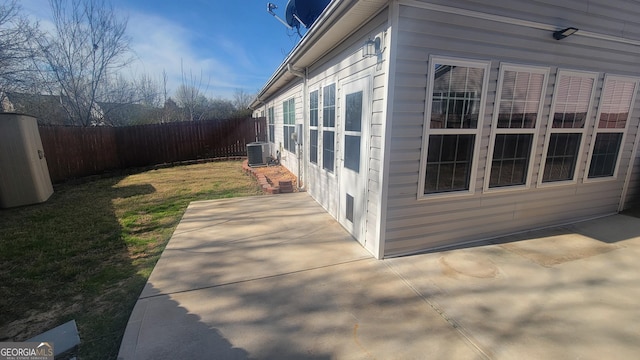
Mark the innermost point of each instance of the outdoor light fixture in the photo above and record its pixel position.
(372, 47)
(561, 34)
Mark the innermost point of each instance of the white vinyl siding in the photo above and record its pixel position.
(424, 32)
(343, 62)
(516, 120)
(337, 67)
(632, 197)
(517, 32)
(293, 96)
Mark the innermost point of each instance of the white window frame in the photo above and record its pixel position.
(271, 124)
(317, 128)
(328, 128)
(597, 130)
(583, 131)
(428, 131)
(286, 123)
(534, 131)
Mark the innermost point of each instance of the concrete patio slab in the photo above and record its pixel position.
(563, 293)
(232, 240)
(357, 310)
(276, 277)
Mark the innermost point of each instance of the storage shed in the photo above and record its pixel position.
(24, 176)
(434, 123)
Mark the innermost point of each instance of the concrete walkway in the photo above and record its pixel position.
(275, 277)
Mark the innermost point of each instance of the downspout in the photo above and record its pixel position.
(303, 76)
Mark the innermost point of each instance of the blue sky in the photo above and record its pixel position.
(234, 44)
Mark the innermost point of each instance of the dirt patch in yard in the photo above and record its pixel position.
(275, 174)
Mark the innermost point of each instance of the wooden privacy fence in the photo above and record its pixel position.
(77, 151)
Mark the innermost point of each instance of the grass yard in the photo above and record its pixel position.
(87, 252)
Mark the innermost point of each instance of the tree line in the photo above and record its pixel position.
(75, 71)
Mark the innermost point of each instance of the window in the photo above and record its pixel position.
(519, 103)
(562, 155)
(572, 100)
(289, 123)
(272, 126)
(313, 126)
(353, 130)
(328, 127)
(452, 124)
(449, 163)
(450, 108)
(511, 154)
(605, 154)
(618, 95)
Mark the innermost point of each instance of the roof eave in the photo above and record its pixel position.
(335, 11)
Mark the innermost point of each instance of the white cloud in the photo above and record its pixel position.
(160, 44)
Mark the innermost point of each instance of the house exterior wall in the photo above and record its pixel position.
(414, 222)
(277, 143)
(344, 64)
(632, 197)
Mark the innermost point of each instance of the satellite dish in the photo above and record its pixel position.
(304, 12)
(289, 14)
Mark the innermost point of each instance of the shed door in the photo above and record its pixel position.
(355, 116)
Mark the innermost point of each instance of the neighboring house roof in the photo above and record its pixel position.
(46, 108)
(339, 19)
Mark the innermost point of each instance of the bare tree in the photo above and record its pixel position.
(148, 91)
(117, 89)
(88, 46)
(241, 99)
(220, 109)
(167, 103)
(190, 96)
(170, 111)
(165, 90)
(192, 102)
(16, 54)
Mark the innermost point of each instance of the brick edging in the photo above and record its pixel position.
(263, 181)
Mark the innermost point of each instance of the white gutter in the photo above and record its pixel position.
(333, 10)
